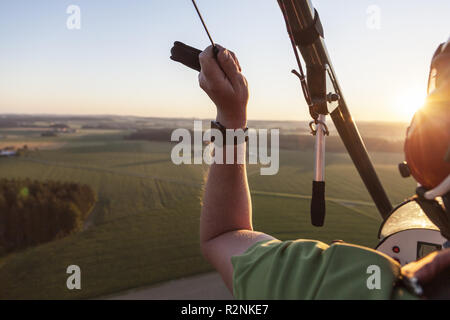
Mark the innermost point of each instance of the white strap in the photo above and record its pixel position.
(440, 190)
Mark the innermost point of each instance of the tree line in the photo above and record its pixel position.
(287, 141)
(34, 212)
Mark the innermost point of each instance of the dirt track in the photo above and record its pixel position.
(207, 286)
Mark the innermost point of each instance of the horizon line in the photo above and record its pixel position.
(175, 118)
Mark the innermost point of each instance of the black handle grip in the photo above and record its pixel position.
(186, 55)
(318, 204)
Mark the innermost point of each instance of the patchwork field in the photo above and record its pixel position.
(144, 228)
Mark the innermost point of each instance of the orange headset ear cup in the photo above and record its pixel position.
(427, 142)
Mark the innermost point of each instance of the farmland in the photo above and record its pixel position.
(144, 228)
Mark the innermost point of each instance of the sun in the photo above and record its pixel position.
(408, 102)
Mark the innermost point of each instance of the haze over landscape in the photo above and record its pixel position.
(118, 62)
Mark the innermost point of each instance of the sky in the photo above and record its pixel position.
(118, 61)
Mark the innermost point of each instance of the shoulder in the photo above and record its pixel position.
(309, 269)
(307, 249)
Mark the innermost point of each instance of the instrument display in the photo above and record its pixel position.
(425, 248)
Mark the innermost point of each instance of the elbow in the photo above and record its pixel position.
(205, 249)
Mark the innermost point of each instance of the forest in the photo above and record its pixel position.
(34, 212)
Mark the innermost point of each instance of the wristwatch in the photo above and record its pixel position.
(217, 125)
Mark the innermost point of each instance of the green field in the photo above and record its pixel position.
(144, 228)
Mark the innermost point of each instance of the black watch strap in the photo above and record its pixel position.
(217, 125)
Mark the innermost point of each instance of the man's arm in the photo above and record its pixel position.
(226, 220)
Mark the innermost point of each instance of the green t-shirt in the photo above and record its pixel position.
(307, 269)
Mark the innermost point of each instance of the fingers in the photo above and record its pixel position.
(439, 263)
(224, 66)
(429, 267)
(210, 70)
(230, 65)
(233, 55)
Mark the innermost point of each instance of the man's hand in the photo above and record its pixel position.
(426, 269)
(224, 83)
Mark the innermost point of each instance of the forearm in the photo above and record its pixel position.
(226, 202)
(226, 217)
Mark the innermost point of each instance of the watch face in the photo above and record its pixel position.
(217, 125)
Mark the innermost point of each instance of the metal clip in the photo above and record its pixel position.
(314, 129)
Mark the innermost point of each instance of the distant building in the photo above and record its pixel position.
(49, 134)
(8, 152)
(59, 126)
(62, 128)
